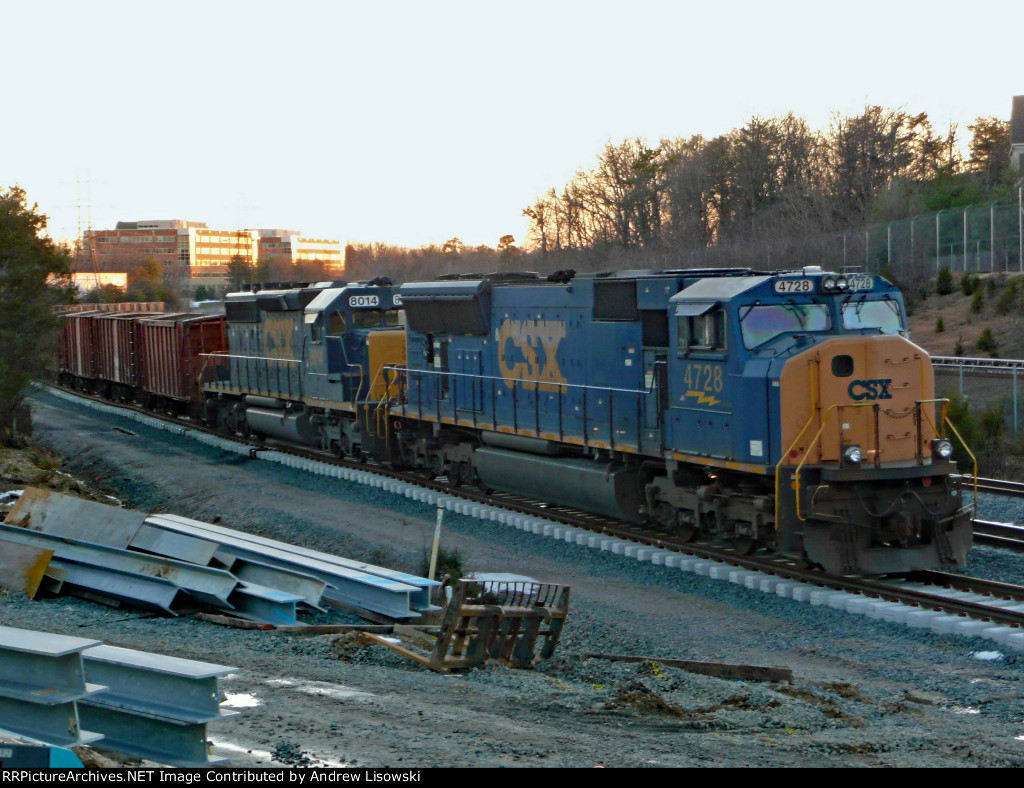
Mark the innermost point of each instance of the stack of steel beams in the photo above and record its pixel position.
(173, 564)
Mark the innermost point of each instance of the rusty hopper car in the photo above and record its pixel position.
(78, 364)
(171, 348)
(119, 353)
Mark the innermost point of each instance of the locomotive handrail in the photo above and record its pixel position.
(251, 358)
(814, 441)
(538, 383)
(946, 420)
(263, 364)
(539, 387)
(821, 429)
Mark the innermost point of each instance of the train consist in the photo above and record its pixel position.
(786, 410)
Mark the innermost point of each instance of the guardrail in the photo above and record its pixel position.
(1003, 365)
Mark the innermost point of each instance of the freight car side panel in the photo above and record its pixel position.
(118, 352)
(172, 346)
(80, 344)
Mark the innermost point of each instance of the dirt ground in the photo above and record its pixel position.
(864, 692)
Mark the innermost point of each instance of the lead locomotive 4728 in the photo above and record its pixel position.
(786, 410)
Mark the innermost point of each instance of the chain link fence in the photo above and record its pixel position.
(976, 239)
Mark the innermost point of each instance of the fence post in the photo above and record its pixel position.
(888, 246)
(965, 240)
(992, 238)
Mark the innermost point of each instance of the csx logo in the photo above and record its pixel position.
(277, 337)
(870, 389)
(525, 336)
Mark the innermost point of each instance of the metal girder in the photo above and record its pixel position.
(62, 515)
(181, 547)
(349, 586)
(155, 706)
(43, 668)
(420, 599)
(151, 593)
(164, 741)
(22, 567)
(123, 573)
(56, 723)
(266, 605)
(155, 684)
(310, 588)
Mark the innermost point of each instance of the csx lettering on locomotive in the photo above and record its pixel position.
(524, 335)
(870, 389)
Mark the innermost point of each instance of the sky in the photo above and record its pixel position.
(411, 123)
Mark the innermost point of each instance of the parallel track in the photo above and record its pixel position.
(892, 589)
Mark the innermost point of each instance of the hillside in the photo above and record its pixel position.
(1000, 309)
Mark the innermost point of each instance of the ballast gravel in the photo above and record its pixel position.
(865, 692)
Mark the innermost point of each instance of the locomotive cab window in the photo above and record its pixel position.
(366, 318)
(335, 324)
(885, 315)
(394, 317)
(700, 328)
(763, 322)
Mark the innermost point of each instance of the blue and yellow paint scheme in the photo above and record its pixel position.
(786, 409)
(715, 400)
(302, 362)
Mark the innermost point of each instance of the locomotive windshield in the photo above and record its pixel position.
(372, 318)
(764, 322)
(883, 315)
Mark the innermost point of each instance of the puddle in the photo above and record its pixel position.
(965, 710)
(322, 688)
(227, 748)
(987, 656)
(240, 700)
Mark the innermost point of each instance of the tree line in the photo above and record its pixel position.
(773, 182)
(772, 189)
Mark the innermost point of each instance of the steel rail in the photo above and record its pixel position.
(1000, 487)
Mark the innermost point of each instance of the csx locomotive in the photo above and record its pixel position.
(785, 409)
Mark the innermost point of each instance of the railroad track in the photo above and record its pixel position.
(999, 486)
(1006, 535)
(954, 594)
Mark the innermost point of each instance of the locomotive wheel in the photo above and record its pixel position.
(746, 545)
(455, 474)
(688, 532)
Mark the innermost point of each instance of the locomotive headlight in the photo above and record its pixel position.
(828, 284)
(841, 284)
(853, 454)
(942, 448)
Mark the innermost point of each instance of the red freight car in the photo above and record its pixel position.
(118, 353)
(78, 366)
(171, 346)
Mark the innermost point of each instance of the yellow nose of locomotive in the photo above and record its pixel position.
(861, 393)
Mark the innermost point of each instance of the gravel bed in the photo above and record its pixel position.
(864, 692)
